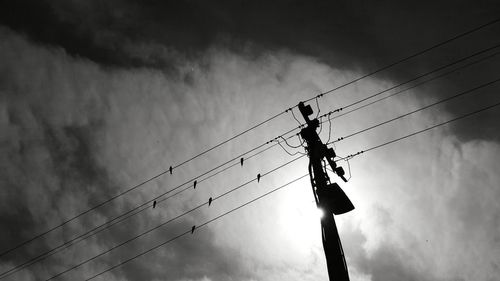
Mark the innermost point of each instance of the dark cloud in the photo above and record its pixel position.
(359, 35)
(43, 176)
(60, 114)
(56, 125)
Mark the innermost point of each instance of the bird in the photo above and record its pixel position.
(258, 177)
(192, 229)
(194, 184)
(209, 201)
(170, 169)
(154, 204)
(241, 161)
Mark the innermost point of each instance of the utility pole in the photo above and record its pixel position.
(329, 196)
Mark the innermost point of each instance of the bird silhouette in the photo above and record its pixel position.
(192, 229)
(170, 169)
(194, 184)
(209, 201)
(154, 204)
(241, 161)
(258, 177)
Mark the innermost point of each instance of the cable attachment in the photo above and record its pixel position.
(317, 104)
(330, 156)
(350, 156)
(293, 114)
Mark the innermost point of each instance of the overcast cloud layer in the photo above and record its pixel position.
(98, 96)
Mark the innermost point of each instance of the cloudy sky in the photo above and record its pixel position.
(98, 96)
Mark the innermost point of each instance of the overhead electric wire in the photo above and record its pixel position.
(122, 217)
(293, 114)
(329, 118)
(69, 243)
(253, 200)
(329, 129)
(151, 200)
(289, 153)
(229, 139)
(423, 130)
(463, 34)
(419, 109)
(286, 142)
(416, 85)
(423, 75)
(197, 227)
(408, 88)
(446, 99)
(340, 109)
(172, 219)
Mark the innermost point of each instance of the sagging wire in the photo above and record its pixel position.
(349, 157)
(317, 104)
(320, 127)
(346, 159)
(293, 114)
(348, 167)
(301, 141)
(291, 146)
(291, 154)
(329, 129)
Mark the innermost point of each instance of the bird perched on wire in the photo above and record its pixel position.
(209, 201)
(170, 169)
(194, 184)
(241, 161)
(192, 229)
(258, 177)
(154, 204)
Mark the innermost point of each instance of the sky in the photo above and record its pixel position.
(99, 96)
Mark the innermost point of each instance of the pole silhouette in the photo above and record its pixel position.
(328, 196)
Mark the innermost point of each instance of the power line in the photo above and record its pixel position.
(246, 131)
(419, 109)
(359, 101)
(413, 79)
(170, 220)
(138, 185)
(418, 84)
(136, 210)
(200, 226)
(253, 200)
(328, 114)
(408, 57)
(124, 216)
(423, 75)
(230, 139)
(344, 158)
(421, 131)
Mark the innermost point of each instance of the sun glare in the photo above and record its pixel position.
(320, 213)
(300, 219)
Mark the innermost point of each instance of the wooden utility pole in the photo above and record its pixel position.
(329, 196)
